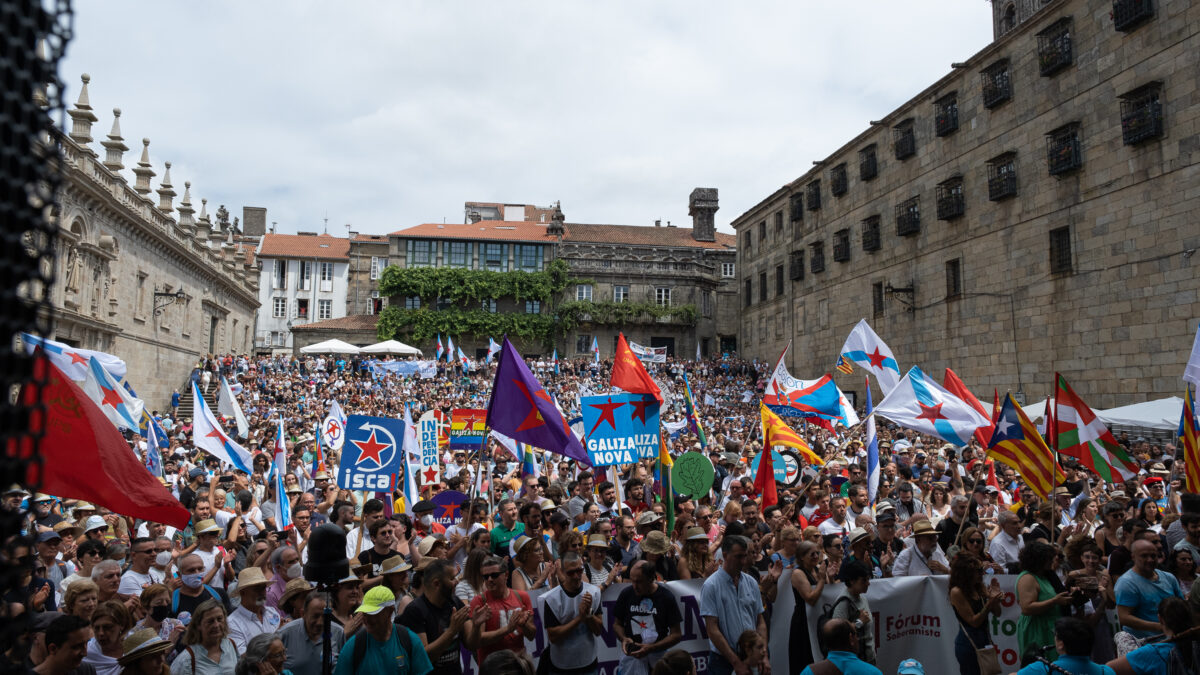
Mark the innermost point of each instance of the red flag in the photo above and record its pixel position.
(1051, 425)
(955, 386)
(995, 406)
(85, 457)
(991, 477)
(629, 374)
(764, 481)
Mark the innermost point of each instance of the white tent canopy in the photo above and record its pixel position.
(1161, 414)
(330, 347)
(390, 347)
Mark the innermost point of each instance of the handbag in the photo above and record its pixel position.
(988, 657)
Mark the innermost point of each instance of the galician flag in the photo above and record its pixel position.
(284, 521)
(864, 349)
(440, 350)
(449, 349)
(153, 455)
(596, 348)
(117, 404)
(71, 361)
(554, 360)
(462, 358)
(919, 403)
(493, 349)
(208, 435)
(228, 406)
(872, 451)
(1083, 436)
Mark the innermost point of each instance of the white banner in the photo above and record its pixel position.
(648, 354)
(427, 435)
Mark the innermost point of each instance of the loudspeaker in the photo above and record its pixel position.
(327, 563)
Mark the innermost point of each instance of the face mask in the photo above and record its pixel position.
(295, 571)
(427, 520)
(163, 559)
(193, 580)
(159, 612)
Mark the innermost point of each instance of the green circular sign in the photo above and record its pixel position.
(692, 474)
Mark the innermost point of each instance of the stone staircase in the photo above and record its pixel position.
(185, 397)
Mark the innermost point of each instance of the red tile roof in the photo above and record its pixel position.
(638, 235)
(498, 230)
(346, 323)
(371, 238)
(321, 246)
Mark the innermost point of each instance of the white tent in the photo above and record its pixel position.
(330, 347)
(1034, 411)
(390, 347)
(1161, 414)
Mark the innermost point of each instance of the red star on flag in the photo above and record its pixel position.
(931, 413)
(370, 449)
(430, 475)
(606, 414)
(639, 409)
(534, 418)
(111, 397)
(76, 358)
(876, 358)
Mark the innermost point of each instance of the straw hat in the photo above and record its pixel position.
(67, 528)
(923, 527)
(203, 527)
(696, 533)
(597, 541)
(142, 644)
(394, 565)
(656, 542)
(294, 587)
(647, 518)
(520, 544)
(249, 578)
(858, 534)
(427, 544)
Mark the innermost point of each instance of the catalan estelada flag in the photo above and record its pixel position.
(693, 419)
(1017, 443)
(844, 366)
(776, 432)
(1189, 440)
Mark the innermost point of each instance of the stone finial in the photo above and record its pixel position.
(142, 171)
(557, 221)
(115, 145)
(185, 207)
(166, 193)
(203, 224)
(82, 116)
(702, 206)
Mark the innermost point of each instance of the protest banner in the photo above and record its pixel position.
(648, 354)
(371, 455)
(448, 503)
(621, 428)
(427, 438)
(405, 368)
(468, 428)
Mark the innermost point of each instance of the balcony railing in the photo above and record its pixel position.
(868, 167)
(1141, 116)
(1054, 47)
(905, 143)
(997, 85)
(1062, 151)
(1002, 186)
(1129, 14)
(945, 121)
(870, 234)
(908, 218)
(837, 180)
(950, 206)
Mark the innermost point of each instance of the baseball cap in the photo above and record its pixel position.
(910, 667)
(49, 536)
(376, 600)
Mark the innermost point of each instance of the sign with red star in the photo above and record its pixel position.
(622, 428)
(371, 454)
(447, 505)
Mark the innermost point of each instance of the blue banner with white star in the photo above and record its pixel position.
(620, 428)
(372, 453)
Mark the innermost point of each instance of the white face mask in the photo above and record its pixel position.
(426, 520)
(163, 559)
(295, 571)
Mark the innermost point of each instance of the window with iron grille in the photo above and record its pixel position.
(841, 245)
(813, 195)
(908, 217)
(1054, 47)
(1002, 176)
(796, 207)
(1129, 14)
(748, 295)
(877, 298)
(583, 344)
(945, 114)
(1063, 153)
(868, 167)
(837, 180)
(953, 278)
(818, 257)
(997, 84)
(1060, 250)
(778, 280)
(762, 286)
(950, 201)
(870, 234)
(904, 139)
(1141, 114)
(796, 265)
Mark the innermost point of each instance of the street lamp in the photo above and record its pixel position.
(168, 298)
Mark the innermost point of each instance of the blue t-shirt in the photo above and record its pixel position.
(1143, 595)
(849, 664)
(386, 658)
(1150, 659)
(1079, 665)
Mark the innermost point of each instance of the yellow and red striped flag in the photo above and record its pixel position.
(1017, 443)
(776, 432)
(1189, 440)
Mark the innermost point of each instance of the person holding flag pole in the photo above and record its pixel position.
(279, 468)
(872, 450)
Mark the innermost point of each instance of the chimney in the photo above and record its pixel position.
(658, 223)
(702, 207)
(474, 216)
(254, 221)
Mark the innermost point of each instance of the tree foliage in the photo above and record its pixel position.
(464, 286)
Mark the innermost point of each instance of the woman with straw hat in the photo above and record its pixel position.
(395, 572)
(599, 568)
(697, 560)
(531, 570)
(291, 603)
(145, 653)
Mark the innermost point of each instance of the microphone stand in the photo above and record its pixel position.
(327, 631)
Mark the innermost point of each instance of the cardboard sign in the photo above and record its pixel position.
(427, 439)
(333, 434)
(448, 503)
(372, 453)
(620, 428)
(692, 474)
(468, 428)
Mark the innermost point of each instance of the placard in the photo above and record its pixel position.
(620, 428)
(692, 474)
(648, 354)
(427, 439)
(371, 454)
(448, 503)
(468, 428)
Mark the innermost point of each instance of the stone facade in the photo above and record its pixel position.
(1089, 271)
(122, 259)
(368, 258)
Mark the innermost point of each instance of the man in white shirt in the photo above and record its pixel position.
(140, 573)
(837, 523)
(1006, 546)
(252, 617)
(922, 557)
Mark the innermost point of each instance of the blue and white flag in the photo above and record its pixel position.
(228, 406)
(207, 435)
(596, 348)
(493, 349)
(411, 447)
(153, 456)
(462, 358)
(449, 349)
(872, 451)
(921, 404)
(440, 349)
(864, 349)
(117, 404)
(71, 361)
(333, 429)
(284, 519)
(554, 360)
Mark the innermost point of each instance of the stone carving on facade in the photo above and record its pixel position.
(222, 217)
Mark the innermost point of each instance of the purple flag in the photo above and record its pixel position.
(523, 411)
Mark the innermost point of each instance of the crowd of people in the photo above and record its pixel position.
(107, 593)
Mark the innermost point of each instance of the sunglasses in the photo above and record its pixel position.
(493, 575)
(578, 571)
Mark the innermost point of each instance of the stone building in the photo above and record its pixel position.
(303, 279)
(149, 282)
(368, 258)
(1032, 211)
(689, 271)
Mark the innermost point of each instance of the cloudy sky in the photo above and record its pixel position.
(389, 114)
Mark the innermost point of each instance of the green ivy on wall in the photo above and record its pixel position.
(469, 286)
(423, 324)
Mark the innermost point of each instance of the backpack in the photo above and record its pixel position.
(826, 615)
(1178, 665)
(360, 648)
(175, 597)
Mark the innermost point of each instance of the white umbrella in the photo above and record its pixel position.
(330, 347)
(390, 347)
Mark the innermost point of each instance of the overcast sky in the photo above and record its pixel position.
(389, 114)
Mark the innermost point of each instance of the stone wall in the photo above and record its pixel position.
(1118, 324)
